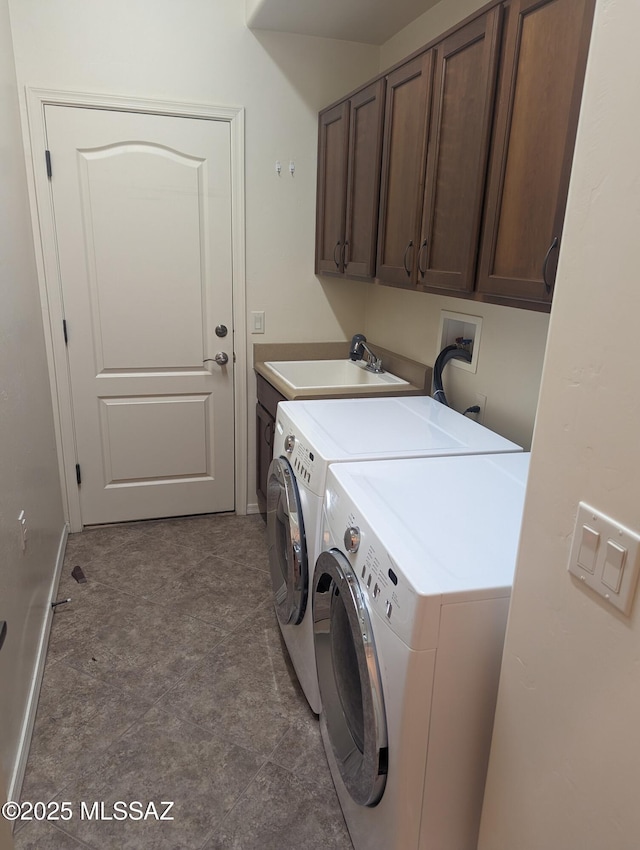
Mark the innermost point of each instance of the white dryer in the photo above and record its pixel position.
(311, 435)
(410, 601)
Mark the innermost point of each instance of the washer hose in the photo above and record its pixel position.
(451, 352)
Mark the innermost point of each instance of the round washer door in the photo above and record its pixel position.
(349, 678)
(286, 542)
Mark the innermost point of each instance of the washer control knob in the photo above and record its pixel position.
(289, 443)
(352, 538)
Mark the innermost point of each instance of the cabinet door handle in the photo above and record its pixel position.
(268, 434)
(345, 261)
(404, 259)
(545, 263)
(336, 250)
(420, 269)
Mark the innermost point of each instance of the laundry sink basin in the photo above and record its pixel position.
(324, 374)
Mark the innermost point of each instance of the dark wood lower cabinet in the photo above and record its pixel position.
(266, 409)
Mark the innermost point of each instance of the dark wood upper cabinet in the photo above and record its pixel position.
(542, 72)
(477, 146)
(349, 152)
(333, 141)
(459, 136)
(403, 169)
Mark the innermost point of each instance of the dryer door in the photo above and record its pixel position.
(349, 678)
(286, 541)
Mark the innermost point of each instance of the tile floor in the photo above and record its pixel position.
(166, 680)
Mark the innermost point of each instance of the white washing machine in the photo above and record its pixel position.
(311, 435)
(410, 601)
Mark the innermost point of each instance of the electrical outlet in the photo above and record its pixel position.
(481, 401)
(22, 522)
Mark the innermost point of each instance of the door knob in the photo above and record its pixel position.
(221, 358)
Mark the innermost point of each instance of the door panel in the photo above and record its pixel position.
(142, 207)
(546, 43)
(464, 84)
(403, 169)
(363, 185)
(333, 149)
(179, 425)
(141, 319)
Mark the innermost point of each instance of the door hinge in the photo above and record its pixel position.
(78, 475)
(64, 331)
(47, 156)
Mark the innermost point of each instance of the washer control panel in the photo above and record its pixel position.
(308, 467)
(304, 464)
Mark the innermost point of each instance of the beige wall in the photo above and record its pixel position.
(199, 50)
(565, 763)
(513, 341)
(510, 355)
(436, 20)
(28, 466)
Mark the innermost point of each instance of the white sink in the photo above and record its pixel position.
(322, 374)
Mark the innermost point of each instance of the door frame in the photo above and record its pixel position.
(43, 223)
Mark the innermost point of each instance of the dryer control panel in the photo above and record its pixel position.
(413, 618)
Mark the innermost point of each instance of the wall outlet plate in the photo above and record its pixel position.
(455, 325)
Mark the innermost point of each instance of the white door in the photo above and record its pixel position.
(142, 208)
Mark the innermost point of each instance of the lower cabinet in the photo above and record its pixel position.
(266, 408)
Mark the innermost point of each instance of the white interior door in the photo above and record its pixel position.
(142, 209)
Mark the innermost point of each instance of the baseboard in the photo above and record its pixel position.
(17, 777)
(253, 509)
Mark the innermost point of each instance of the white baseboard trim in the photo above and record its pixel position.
(253, 508)
(17, 777)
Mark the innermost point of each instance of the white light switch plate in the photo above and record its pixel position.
(257, 322)
(604, 556)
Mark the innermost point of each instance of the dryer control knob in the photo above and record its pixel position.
(289, 443)
(352, 538)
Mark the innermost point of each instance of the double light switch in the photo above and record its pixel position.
(604, 556)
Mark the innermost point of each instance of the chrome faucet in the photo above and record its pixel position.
(359, 348)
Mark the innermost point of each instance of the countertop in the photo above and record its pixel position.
(418, 374)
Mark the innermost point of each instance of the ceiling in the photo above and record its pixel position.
(367, 21)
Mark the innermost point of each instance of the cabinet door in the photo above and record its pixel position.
(544, 58)
(363, 182)
(463, 92)
(264, 451)
(333, 138)
(403, 170)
